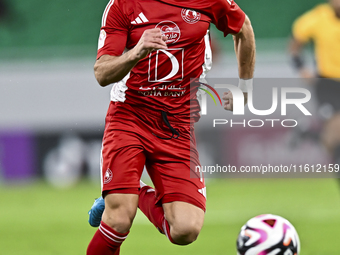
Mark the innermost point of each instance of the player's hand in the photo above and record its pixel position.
(307, 75)
(228, 98)
(152, 39)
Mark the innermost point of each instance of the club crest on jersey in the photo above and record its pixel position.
(108, 176)
(190, 16)
(169, 29)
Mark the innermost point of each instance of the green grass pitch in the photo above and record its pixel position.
(37, 219)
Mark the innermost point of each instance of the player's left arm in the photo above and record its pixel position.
(244, 43)
(295, 49)
(303, 31)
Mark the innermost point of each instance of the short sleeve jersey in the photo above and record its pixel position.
(162, 79)
(321, 26)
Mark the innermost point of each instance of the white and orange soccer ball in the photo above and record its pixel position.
(268, 234)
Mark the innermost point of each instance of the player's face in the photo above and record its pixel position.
(336, 5)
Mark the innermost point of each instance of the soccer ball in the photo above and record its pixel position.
(268, 235)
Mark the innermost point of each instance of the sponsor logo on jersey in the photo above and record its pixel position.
(169, 29)
(108, 176)
(140, 19)
(166, 65)
(203, 192)
(102, 37)
(190, 16)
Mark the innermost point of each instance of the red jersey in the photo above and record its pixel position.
(161, 80)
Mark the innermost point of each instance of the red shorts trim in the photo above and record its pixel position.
(121, 191)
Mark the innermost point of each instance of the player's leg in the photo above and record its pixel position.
(331, 140)
(180, 221)
(120, 204)
(120, 210)
(331, 135)
(177, 204)
(121, 200)
(327, 91)
(123, 161)
(181, 191)
(185, 220)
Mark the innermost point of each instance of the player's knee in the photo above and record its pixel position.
(184, 234)
(120, 223)
(185, 221)
(120, 210)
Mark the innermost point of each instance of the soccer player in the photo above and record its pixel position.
(322, 26)
(149, 50)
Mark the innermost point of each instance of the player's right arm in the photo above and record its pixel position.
(109, 69)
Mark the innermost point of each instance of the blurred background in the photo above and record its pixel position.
(51, 122)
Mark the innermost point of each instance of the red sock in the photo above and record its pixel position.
(106, 241)
(155, 213)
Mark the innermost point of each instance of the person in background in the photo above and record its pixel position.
(321, 25)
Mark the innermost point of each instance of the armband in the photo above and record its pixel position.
(245, 85)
